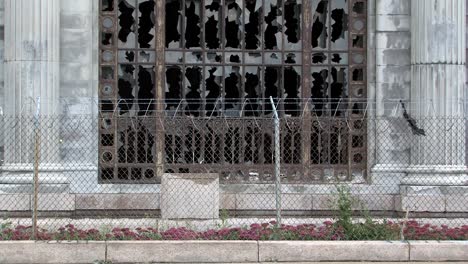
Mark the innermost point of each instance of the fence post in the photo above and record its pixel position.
(36, 167)
(277, 163)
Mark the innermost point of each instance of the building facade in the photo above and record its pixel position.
(369, 62)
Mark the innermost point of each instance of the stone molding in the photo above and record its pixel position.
(229, 251)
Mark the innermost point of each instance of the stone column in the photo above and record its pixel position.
(32, 51)
(438, 59)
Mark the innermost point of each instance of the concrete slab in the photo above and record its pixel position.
(180, 251)
(26, 252)
(439, 250)
(15, 202)
(296, 251)
(190, 196)
(136, 201)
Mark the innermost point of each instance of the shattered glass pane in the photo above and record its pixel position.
(192, 24)
(146, 56)
(319, 90)
(319, 39)
(107, 5)
(253, 58)
(338, 90)
(253, 91)
(107, 39)
(174, 57)
(292, 23)
(173, 91)
(319, 58)
(214, 57)
(273, 58)
(193, 57)
(146, 81)
(233, 90)
(339, 25)
(127, 56)
(253, 12)
(126, 87)
(127, 23)
(213, 88)
(292, 91)
(358, 41)
(293, 58)
(273, 23)
(173, 23)
(193, 90)
(233, 57)
(359, 7)
(273, 84)
(146, 20)
(339, 58)
(212, 20)
(107, 72)
(233, 24)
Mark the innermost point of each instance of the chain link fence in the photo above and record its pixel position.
(165, 170)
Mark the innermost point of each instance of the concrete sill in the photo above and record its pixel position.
(230, 251)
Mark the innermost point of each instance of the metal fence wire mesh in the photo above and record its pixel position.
(170, 170)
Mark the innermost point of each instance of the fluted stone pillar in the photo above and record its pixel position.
(32, 51)
(438, 61)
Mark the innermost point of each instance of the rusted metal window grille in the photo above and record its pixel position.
(218, 62)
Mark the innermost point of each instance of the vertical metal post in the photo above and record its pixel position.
(36, 167)
(277, 163)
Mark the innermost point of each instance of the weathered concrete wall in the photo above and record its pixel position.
(78, 52)
(393, 39)
(2, 48)
(393, 83)
(78, 90)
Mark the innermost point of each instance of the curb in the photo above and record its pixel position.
(77, 252)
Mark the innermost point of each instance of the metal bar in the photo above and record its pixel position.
(36, 167)
(277, 163)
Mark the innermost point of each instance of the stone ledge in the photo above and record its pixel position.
(54, 252)
(318, 251)
(137, 201)
(182, 251)
(439, 251)
(25, 252)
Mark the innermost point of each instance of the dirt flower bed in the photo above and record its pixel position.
(411, 230)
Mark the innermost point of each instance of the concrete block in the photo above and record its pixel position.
(308, 251)
(227, 201)
(55, 202)
(190, 196)
(393, 22)
(26, 252)
(392, 74)
(323, 202)
(15, 202)
(180, 251)
(77, 6)
(75, 21)
(136, 201)
(267, 201)
(372, 202)
(394, 40)
(456, 203)
(439, 250)
(394, 7)
(377, 202)
(393, 57)
(423, 203)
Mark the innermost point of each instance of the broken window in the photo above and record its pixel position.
(337, 34)
(232, 34)
(128, 96)
(225, 58)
